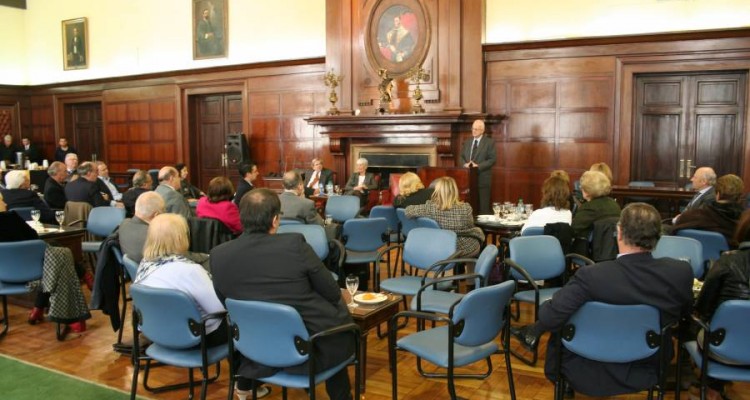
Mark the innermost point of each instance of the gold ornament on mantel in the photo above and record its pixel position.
(416, 75)
(384, 87)
(332, 80)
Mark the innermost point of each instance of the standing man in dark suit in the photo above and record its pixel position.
(316, 176)
(63, 149)
(248, 172)
(261, 265)
(635, 277)
(479, 152)
(31, 151)
(54, 189)
(85, 188)
(293, 204)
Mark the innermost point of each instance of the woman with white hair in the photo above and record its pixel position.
(17, 194)
(361, 181)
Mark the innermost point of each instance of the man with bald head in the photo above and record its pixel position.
(54, 191)
(703, 180)
(479, 152)
(294, 205)
(169, 189)
(133, 230)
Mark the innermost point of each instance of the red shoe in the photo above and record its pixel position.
(36, 315)
(88, 279)
(78, 327)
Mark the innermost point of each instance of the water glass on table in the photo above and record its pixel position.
(35, 215)
(60, 217)
(497, 208)
(352, 283)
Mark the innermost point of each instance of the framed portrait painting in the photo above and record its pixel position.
(75, 43)
(397, 36)
(209, 29)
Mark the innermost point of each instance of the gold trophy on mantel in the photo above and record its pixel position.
(332, 80)
(416, 75)
(384, 87)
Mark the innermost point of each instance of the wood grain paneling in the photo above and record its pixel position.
(531, 126)
(596, 92)
(586, 125)
(532, 95)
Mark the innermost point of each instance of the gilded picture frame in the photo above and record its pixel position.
(210, 27)
(75, 43)
(397, 36)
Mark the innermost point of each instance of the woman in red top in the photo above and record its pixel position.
(218, 204)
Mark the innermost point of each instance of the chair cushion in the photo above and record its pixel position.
(286, 379)
(190, 358)
(718, 370)
(12, 288)
(360, 257)
(527, 296)
(436, 301)
(406, 285)
(91, 247)
(432, 345)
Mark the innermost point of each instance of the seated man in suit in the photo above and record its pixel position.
(261, 265)
(18, 194)
(703, 180)
(169, 187)
(142, 183)
(635, 277)
(105, 184)
(316, 176)
(85, 189)
(248, 172)
(54, 191)
(293, 204)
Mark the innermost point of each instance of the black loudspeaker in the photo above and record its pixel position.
(238, 151)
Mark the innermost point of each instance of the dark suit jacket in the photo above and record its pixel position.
(103, 188)
(27, 198)
(54, 194)
(326, 177)
(32, 154)
(354, 181)
(9, 153)
(299, 208)
(631, 279)
(419, 197)
(60, 153)
(242, 188)
(129, 198)
(83, 190)
(700, 199)
(485, 157)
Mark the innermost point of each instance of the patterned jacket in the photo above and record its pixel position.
(458, 219)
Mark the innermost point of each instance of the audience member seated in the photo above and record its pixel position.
(85, 189)
(603, 168)
(595, 187)
(218, 204)
(54, 191)
(293, 203)
(106, 186)
(555, 204)
(720, 215)
(71, 166)
(169, 189)
(30, 151)
(191, 193)
(411, 191)
(451, 214)
(576, 198)
(315, 177)
(17, 194)
(142, 183)
(261, 265)
(59, 290)
(728, 279)
(636, 277)
(63, 150)
(248, 173)
(361, 182)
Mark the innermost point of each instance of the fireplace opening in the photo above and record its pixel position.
(388, 159)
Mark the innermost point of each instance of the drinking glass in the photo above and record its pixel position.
(35, 215)
(496, 207)
(529, 208)
(60, 216)
(329, 219)
(352, 283)
(329, 189)
(337, 189)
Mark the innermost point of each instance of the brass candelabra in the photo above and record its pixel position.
(417, 75)
(332, 80)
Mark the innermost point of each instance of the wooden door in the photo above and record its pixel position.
(216, 116)
(687, 121)
(86, 135)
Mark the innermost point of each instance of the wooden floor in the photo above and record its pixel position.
(90, 357)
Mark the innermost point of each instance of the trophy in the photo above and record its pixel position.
(332, 80)
(418, 74)
(384, 87)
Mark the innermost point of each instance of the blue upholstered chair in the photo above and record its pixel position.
(170, 318)
(274, 335)
(394, 231)
(362, 238)
(714, 243)
(23, 212)
(684, 248)
(615, 334)
(290, 221)
(342, 208)
(102, 221)
(316, 237)
(468, 336)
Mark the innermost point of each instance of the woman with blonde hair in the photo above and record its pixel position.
(595, 187)
(411, 191)
(555, 205)
(603, 168)
(452, 214)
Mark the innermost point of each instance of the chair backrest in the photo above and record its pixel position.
(426, 246)
(267, 333)
(314, 235)
(290, 221)
(131, 267)
(483, 313)
(387, 212)
(166, 316)
(613, 333)
(21, 262)
(424, 222)
(731, 317)
(23, 212)
(684, 248)
(342, 208)
(207, 233)
(713, 242)
(485, 262)
(541, 256)
(76, 214)
(604, 239)
(365, 234)
(103, 220)
(406, 224)
(533, 231)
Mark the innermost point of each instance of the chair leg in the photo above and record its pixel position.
(511, 383)
(124, 308)
(392, 360)
(5, 317)
(134, 383)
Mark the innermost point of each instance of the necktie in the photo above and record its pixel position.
(473, 153)
(314, 182)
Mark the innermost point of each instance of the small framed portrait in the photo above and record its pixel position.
(75, 43)
(398, 35)
(209, 29)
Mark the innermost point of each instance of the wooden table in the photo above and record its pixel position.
(499, 230)
(672, 194)
(368, 317)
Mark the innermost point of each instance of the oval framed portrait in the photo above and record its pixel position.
(397, 36)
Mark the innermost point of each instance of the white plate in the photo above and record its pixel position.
(379, 298)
